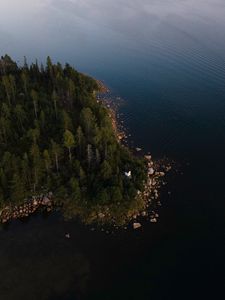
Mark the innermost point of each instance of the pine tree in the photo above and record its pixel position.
(80, 139)
(75, 189)
(89, 155)
(24, 78)
(69, 142)
(25, 170)
(34, 97)
(55, 100)
(67, 122)
(87, 121)
(7, 85)
(36, 165)
(56, 151)
(47, 160)
(20, 115)
(105, 170)
(18, 188)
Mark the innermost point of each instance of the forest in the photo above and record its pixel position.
(56, 137)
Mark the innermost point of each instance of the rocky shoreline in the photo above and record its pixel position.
(13, 212)
(103, 96)
(150, 195)
(148, 199)
(156, 171)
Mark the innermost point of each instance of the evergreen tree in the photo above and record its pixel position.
(69, 142)
(34, 97)
(47, 160)
(18, 188)
(56, 151)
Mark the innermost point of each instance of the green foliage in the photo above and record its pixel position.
(55, 136)
(69, 142)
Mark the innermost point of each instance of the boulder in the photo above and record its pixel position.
(136, 225)
(153, 220)
(46, 201)
(151, 171)
(67, 235)
(148, 157)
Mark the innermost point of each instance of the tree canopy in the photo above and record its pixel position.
(55, 136)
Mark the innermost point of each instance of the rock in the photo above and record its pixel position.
(67, 235)
(153, 220)
(101, 215)
(136, 225)
(138, 149)
(148, 157)
(149, 182)
(151, 171)
(153, 182)
(161, 174)
(144, 214)
(50, 194)
(46, 201)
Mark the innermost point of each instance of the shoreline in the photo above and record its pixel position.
(144, 202)
(156, 171)
(26, 209)
(102, 96)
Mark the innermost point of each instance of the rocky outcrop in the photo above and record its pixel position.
(31, 205)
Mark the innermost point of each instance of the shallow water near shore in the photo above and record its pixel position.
(166, 60)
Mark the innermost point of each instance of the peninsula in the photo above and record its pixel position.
(59, 148)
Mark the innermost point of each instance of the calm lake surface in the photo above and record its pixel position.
(166, 59)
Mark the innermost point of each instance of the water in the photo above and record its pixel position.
(166, 59)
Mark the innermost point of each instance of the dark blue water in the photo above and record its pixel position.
(166, 59)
